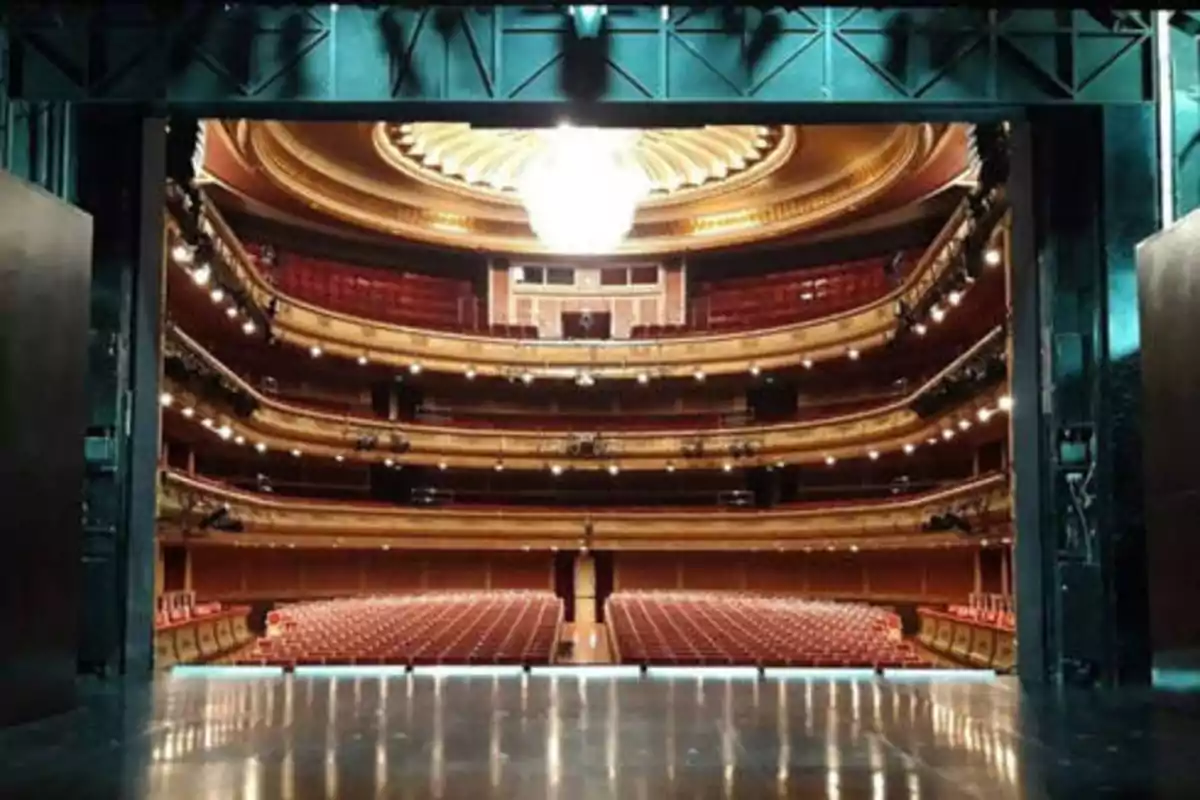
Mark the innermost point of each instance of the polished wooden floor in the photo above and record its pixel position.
(371, 735)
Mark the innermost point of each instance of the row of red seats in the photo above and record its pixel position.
(174, 607)
(706, 629)
(452, 628)
(1006, 619)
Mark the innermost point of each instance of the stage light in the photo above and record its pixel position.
(727, 467)
(853, 548)
(527, 378)
(984, 414)
(362, 361)
(921, 329)
(937, 313)
(261, 447)
(955, 297)
(239, 440)
(873, 455)
(206, 422)
(339, 458)
(315, 351)
(470, 373)
(947, 434)
(780, 464)
(248, 327)
(830, 461)
(295, 453)
(165, 399)
(755, 370)
(182, 253)
(670, 467)
(964, 424)
(556, 469)
(499, 466)
(387, 462)
(1005, 403)
(442, 465)
(225, 432)
(414, 368)
(643, 378)
(201, 274)
(992, 257)
(231, 312)
(217, 294)
(909, 449)
(853, 353)
(808, 363)
(613, 469)
(585, 380)
(931, 440)
(699, 375)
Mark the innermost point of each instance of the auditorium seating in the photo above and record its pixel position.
(707, 629)
(517, 627)
(402, 298)
(782, 298)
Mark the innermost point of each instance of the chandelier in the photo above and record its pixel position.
(581, 189)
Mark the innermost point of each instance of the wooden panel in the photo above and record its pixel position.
(216, 571)
(712, 571)
(520, 571)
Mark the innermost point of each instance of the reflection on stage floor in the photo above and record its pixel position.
(583, 735)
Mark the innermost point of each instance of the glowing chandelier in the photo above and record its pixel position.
(582, 187)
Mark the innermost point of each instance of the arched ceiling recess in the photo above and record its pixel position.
(454, 185)
(314, 523)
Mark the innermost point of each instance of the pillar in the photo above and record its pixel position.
(121, 178)
(1084, 194)
(1004, 556)
(978, 570)
(585, 590)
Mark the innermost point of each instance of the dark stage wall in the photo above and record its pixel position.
(45, 273)
(1169, 289)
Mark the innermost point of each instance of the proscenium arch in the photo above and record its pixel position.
(1079, 87)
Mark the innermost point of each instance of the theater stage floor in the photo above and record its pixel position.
(655, 738)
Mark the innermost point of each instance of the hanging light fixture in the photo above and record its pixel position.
(582, 188)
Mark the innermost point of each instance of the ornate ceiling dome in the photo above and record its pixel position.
(456, 185)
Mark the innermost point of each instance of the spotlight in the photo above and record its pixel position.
(315, 351)
(217, 294)
(808, 363)
(853, 548)
(339, 458)
(248, 327)
(470, 373)
(261, 447)
(780, 464)
(755, 370)
(955, 297)
(853, 353)
(442, 466)
(921, 329)
(873, 455)
(182, 253)
(964, 424)
(643, 378)
(556, 469)
(165, 399)
(909, 449)
(992, 257)
(585, 380)
(239, 440)
(984, 414)
(931, 440)
(206, 422)
(387, 462)
(727, 467)
(670, 467)
(414, 368)
(295, 453)
(830, 461)
(231, 312)
(201, 274)
(947, 434)
(527, 378)
(1005, 403)
(937, 313)
(499, 466)
(613, 469)
(699, 375)
(362, 361)
(225, 432)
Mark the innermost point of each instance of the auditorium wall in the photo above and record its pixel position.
(937, 575)
(262, 573)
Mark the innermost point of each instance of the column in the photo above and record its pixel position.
(585, 592)
(978, 570)
(1004, 556)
